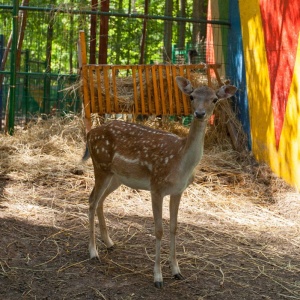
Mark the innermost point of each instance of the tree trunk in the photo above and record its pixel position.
(143, 40)
(22, 20)
(93, 33)
(103, 40)
(199, 12)
(4, 59)
(119, 34)
(47, 80)
(181, 25)
(167, 55)
(22, 17)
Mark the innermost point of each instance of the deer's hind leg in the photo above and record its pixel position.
(102, 182)
(113, 185)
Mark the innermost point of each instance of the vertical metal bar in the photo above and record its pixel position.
(13, 77)
(1, 99)
(26, 84)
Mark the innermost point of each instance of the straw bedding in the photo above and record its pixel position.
(238, 233)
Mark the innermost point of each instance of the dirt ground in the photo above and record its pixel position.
(238, 233)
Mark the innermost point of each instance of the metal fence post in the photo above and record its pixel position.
(1, 99)
(12, 98)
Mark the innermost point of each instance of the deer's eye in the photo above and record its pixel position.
(191, 98)
(215, 100)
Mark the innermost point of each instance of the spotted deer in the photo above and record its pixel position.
(149, 159)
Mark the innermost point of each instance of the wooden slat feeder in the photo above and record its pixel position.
(137, 89)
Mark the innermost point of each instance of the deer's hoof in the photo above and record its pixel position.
(95, 258)
(158, 284)
(111, 248)
(178, 276)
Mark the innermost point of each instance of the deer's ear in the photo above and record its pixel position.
(226, 91)
(184, 85)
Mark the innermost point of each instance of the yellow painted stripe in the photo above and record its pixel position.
(289, 147)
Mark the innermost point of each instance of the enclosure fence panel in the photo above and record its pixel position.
(138, 89)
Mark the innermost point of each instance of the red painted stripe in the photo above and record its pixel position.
(210, 53)
(281, 25)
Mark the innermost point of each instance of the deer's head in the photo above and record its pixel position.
(204, 98)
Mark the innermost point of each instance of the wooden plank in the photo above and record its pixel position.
(217, 75)
(184, 96)
(107, 89)
(176, 90)
(115, 90)
(155, 89)
(84, 75)
(86, 96)
(135, 95)
(170, 89)
(149, 88)
(188, 73)
(162, 89)
(99, 89)
(92, 87)
(141, 82)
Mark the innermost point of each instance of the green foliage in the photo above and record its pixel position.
(125, 34)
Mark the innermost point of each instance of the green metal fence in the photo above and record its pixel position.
(41, 93)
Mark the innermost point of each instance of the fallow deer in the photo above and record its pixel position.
(149, 159)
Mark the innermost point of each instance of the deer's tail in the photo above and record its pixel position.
(86, 154)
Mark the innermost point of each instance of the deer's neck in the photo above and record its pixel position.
(193, 149)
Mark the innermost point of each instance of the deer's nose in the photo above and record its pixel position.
(200, 115)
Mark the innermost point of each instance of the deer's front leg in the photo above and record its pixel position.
(157, 201)
(174, 205)
(92, 208)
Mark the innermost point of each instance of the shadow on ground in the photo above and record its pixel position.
(40, 262)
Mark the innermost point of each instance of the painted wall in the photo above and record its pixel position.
(270, 34)
(264, 60)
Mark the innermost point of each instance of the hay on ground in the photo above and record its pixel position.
(238, 223)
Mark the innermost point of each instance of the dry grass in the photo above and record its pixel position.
(238, 234)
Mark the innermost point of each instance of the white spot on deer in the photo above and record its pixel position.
(126, 159)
